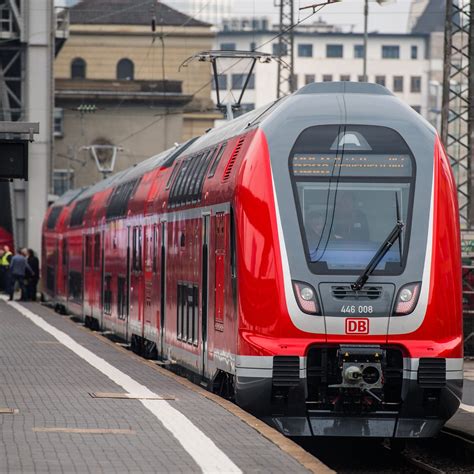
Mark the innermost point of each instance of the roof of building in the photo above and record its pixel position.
(129, 12)
(432, 19)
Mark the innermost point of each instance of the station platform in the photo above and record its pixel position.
(73, 401)
(463, 421)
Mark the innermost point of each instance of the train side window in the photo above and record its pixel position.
(134, 248)
(186, 194)
(79, 211)
(202, 172)
(178, 183)
(217, 159)
(187, 312)
(88, 256)
(64, 252)
(75, 286)
(176, 168)
(140, 249)
(108, 294)
(121, 297)
(53, 217)
(137, 255)
(117, 205)
(155, 249)
(195, 314)
(96, 250)
(233, 262)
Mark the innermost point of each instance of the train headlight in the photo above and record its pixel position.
(407, 298)
(306, 298)
(307, 293)
(406, 295)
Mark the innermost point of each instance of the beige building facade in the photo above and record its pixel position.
(120, 91)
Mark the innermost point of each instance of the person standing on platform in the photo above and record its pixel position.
(5, 260)
(18, 268)
(32, 280)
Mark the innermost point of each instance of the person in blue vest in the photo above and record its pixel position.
(5, 259)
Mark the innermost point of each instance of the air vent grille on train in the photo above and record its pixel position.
(346, 292)
(286, 371)
(432, 372)
(232, 160)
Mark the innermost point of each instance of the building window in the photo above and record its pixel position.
(58, 122)
(221, 82)
(334, 50)
(238, 81)
(228, 46)
(78, 69)
(380, 80)
(125, 70)
(360, 79)
(415, 84)
(414, 52)
(345, 77)
(63, 180)
(305, 50)
(277, 51)
(397, 83)
(416, 108)
(309, 78)
(358, 51)
(391, 52)
(327, 77)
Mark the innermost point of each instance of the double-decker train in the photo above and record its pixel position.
(303, 259)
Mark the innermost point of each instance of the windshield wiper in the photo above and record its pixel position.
(381, 252)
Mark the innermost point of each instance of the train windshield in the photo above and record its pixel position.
(351, 185)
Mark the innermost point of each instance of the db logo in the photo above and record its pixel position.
(357, 326)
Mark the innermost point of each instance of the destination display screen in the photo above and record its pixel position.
(353, 165)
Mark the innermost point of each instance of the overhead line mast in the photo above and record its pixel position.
(286, 39)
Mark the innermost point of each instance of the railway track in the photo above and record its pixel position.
(450, 452)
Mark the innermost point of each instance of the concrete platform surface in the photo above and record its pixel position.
(463, 420)
(50, 366)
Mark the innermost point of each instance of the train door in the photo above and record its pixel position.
(126, 313)
(148, 320)
(99, 260)
(164, 241)
(205, 290)
(220, 258)
(65, 265)
(85, 253)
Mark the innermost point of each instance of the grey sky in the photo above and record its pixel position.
(391, 17)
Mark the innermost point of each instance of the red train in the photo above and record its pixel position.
(6, 227)
(303, 259)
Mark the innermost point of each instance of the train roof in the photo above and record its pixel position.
(238, 126)
(69, 196)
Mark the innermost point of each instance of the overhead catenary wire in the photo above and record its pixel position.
(225, 70)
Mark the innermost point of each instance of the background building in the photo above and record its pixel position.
(398, 61)
(119, 90)
(28, 41)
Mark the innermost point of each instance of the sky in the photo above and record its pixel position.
(392, 17)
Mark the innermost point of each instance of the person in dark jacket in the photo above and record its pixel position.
(18, 269)
(32, 280)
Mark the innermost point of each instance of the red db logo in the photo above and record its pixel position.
(357, 326)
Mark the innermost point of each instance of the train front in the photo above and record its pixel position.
(366, 262)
